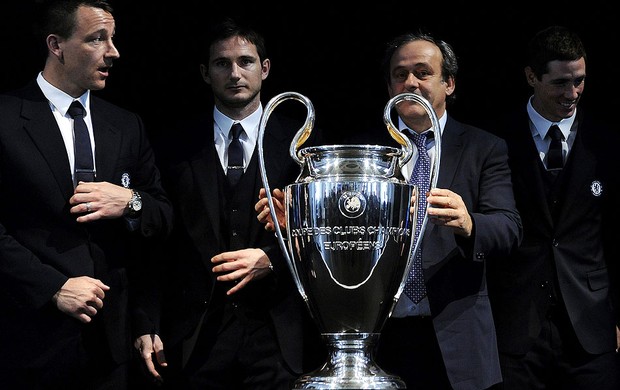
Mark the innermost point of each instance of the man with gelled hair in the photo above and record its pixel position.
(71, 250)
(555, 299)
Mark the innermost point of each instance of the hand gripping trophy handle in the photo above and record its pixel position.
(350, 223)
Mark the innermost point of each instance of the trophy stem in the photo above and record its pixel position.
(350, 365)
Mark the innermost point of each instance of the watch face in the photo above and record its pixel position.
(136, 202)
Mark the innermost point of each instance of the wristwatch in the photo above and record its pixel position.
(135, 204)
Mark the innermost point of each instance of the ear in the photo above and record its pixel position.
(54, 45)
(266, 66)
(530, 77)
(204, 72)
(450, 86)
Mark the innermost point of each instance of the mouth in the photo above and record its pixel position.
(235, 87)
(569, 106)
(104, 70)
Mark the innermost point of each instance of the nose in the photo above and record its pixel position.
(573, 91)
(113, 51)
(411, 81)
(234, 70)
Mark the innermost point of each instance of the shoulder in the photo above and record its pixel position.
(283, 128)
(113, 113)
(182, 139)
(475, 135)
(11, 100)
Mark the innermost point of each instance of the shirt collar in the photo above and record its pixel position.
(542, 125)
(250, 123)
(59, 99)
(442, 123)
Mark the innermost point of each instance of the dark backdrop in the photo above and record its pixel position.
(330, 54)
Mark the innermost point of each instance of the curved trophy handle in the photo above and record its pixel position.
(298, 140)
(408, 151)
(398, 136)
(405, 141)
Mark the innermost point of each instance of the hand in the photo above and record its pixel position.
(446, 208)
(81, 297)
(99, 200)
(241, 266)
(264, 213)
(149, 345)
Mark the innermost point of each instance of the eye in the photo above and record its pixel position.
(400, 75)
(422, 74)
(221, 63)
(579, 81)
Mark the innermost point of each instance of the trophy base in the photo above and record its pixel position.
(350, 365)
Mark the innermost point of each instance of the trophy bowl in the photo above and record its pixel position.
(349, 243)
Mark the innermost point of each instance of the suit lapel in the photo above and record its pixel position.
(451, 145)
(528, 169)
(579, 169)
(107, 143)
(206, 181)
(45, 133)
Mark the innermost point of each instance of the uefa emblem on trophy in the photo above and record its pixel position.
(349, 241)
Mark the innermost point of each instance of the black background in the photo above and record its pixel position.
(328, 52)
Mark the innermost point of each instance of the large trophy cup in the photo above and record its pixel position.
(349, 242)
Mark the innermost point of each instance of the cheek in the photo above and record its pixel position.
(395, 89)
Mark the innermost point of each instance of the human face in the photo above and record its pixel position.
(82, 61)
(235, 74)
(558, 91)
(415, 67)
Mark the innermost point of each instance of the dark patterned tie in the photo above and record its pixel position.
(415, 288)
(235, 155)
(84, 168)
(555, 160)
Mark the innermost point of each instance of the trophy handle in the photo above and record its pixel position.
(404, 141)
(298, 140)
(407, 153)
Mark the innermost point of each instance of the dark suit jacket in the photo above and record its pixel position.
(571, 254)
(191, 169)
(474, 165)
(41, 244)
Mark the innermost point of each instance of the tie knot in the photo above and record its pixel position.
(555, 133)
(236, 130)
(420, 139)
(76, 109)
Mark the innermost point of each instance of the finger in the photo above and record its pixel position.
(161, 358)
(150, 367)
(237, 286)
(83, 318)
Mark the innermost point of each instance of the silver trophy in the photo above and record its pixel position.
(349, 242)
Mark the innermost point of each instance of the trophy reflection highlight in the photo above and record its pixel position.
(349, 242)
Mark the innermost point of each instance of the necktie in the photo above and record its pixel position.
(235, 155)
(415, 288)
(84, 169)
(555, 159)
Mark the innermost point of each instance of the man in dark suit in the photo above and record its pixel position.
(446, 340)
(231, 315)
(555, 298)
(69, 251)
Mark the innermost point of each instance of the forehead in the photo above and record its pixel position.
(566, 69)
(416, 52)
(91, 19)
(233, 47)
